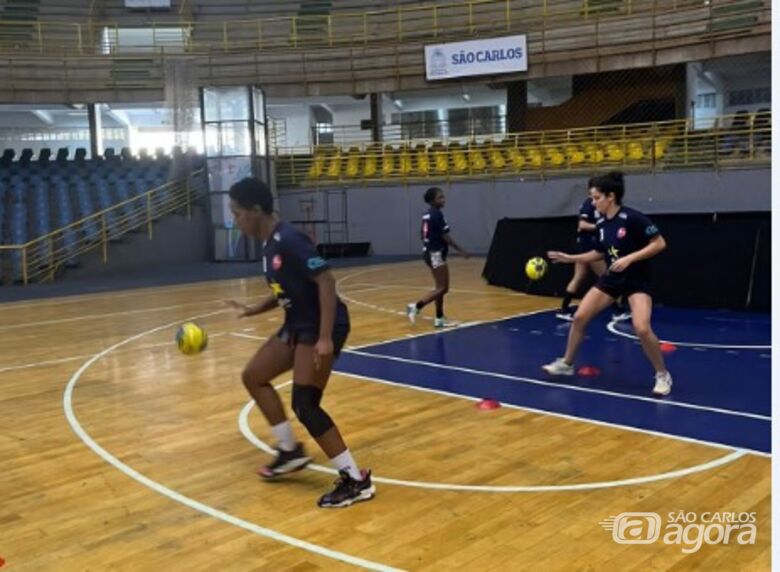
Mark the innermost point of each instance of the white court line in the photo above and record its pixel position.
(531, 409)
(105, 315)
(247, 336)
(556, 414)
(246, 431)
(533, 381)
(399, 286)
(613, 328)
(178, 497)
(85, 356)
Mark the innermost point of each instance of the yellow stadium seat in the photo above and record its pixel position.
(575, 155)
(460, 163)
(317, 166)
(353, 162)
(554, 157)
(441, 162)
(388, 161)
(516, 158)
(497, 160)
(535, 158)
(334, 165)
(614, 152)
(593, 153)
(635, 151)
(370, 161)
(476, 159)
(422, 160)
(659, 148)
(405, 162)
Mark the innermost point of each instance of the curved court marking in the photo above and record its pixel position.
(178, 497)
(612, 327)
(243, 424)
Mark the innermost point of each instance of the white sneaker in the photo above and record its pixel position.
(411, 312)
(621, 317)
(663, 383)
(559, 367)
(443, 323)
(566, 315)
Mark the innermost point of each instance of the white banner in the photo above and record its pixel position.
(476, 57)
(147, 3)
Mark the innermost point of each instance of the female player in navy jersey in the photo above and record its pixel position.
(316, 325)
(628, 239)
(436, 239)
(586, 241)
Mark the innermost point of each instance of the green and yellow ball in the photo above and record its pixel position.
(191, 339)
(536, 268)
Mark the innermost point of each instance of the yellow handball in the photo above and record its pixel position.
(536, 268)
(191, 339)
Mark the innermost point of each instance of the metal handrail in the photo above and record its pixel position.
(666, 146)
(389, 26)
(41, 257)
(357, 137)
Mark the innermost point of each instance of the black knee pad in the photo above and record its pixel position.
(306, 404)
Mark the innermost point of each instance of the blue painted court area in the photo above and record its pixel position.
(722, 380)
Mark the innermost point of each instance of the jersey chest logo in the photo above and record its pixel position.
(276, 262)
(621, 233)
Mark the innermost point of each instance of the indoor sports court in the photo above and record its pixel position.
(122, 452)
(421, 285)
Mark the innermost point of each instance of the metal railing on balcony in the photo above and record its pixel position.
(662, 146)
(42, 258)
(656, 19)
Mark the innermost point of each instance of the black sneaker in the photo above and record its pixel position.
(348, 491)
(285, 462)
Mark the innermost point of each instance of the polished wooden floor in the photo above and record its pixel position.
(174, 421)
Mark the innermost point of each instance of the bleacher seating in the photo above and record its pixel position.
(37, 197)
(673, 144)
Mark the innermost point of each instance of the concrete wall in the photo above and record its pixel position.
(175, 240)
(389, 216)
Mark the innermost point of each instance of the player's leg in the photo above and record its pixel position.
(594, 302)
(271, 360)
(308, 386)
(580, 270)
(441, 278)
(641, 312)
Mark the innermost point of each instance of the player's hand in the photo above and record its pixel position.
(556, 256)
(620, 264)
(322, 349)
(243, 310)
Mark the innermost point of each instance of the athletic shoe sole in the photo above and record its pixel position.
(290, 467)
(365, 495)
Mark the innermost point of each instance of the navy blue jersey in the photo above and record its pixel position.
(291, 263)
(589, 214)
(434, 227)
(625, 233)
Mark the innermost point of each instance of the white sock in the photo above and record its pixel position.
(284, 435)
(344, 461)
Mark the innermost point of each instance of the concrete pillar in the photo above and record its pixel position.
(95, 130)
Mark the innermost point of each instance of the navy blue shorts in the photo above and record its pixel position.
(616, 285)
(308, 336)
